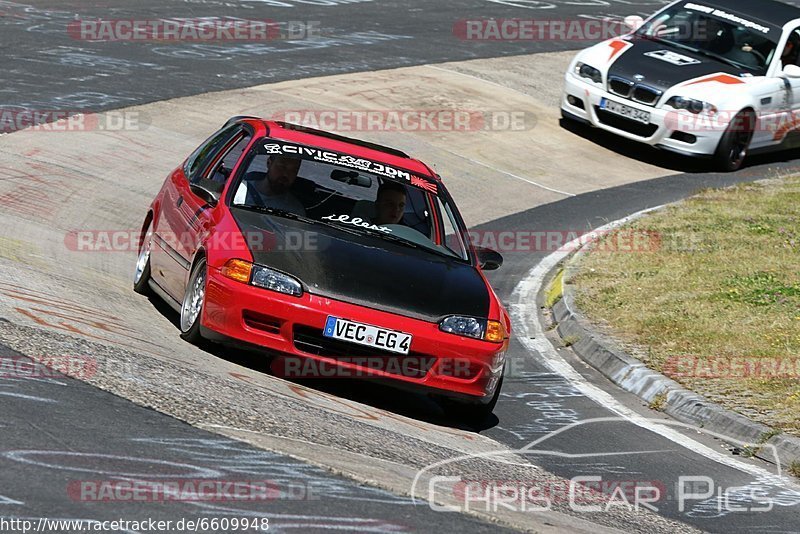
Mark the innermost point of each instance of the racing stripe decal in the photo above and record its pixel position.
(726, 79)
(783, 131)
(617, 47)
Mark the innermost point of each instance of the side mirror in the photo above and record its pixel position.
(792, 71)
(489, 259)
(633, 22)
(208, 191)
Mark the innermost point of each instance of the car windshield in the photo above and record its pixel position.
(736, 40)
(352, 194)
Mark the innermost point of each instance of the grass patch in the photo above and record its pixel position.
(722, 286)
(752, 450)
(761, 289)
(659, 402)
(766, 436)
(794, 469)
(749, 451)
(555, 290)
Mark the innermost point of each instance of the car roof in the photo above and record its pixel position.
(347, 145)
(769, 11)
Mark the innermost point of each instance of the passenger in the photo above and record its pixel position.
(390, 203)
(719, 38)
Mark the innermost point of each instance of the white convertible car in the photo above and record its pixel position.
(711, 79)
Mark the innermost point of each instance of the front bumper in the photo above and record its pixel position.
(438, 362)
(668, 128)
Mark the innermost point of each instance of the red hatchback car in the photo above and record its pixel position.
(343, 258)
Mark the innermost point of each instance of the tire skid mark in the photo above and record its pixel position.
(55, 313)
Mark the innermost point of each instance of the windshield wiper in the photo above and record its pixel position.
(435, 249)
(656, 39)
(395, 239)
(723, 59)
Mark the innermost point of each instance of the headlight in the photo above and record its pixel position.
(691, 105)
(473, 327)
(275, 281)
(587, 71)
(263, 277)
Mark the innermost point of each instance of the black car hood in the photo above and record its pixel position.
(364, 270)
(661, 74)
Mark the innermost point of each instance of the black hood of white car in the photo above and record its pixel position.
(363, 269)
(661, 66)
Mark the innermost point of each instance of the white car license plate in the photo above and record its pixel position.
(625, 111)
(364, 334)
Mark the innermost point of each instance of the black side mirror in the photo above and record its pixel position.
(208, 191)
(489, 259)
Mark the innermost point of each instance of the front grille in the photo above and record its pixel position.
(311, 341)
(620, 86)
(624, 124)
(646, 95)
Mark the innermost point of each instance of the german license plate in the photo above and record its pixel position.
(625, 111)
(364, 334)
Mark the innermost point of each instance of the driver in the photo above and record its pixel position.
(390, 203)
(792, 50)
(275, 190)
(719, 38)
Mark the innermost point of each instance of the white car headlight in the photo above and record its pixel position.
(583, 70)
(691, 105)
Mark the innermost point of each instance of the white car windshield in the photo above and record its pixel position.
(742, 42)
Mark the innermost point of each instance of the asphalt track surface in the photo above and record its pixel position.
(48, 70)
(526, 414)
(52, 431)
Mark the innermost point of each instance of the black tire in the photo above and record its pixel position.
(141, 276)
(732, 149)
(471, 412)
(193, 303)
